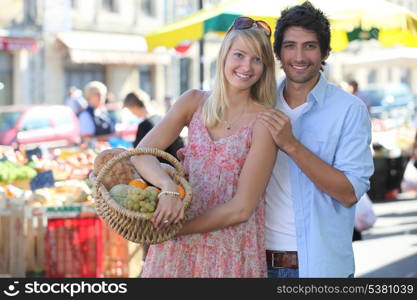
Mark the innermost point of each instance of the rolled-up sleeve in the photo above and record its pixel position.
(354, 156)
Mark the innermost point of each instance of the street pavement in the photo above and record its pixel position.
(389, 248)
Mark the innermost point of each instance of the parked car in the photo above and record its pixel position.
(126, 122)
(47, 125)
(391, 103)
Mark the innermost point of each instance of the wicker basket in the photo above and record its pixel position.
(136, 226)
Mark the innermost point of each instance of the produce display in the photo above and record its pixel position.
(70, 168)
(66, 164)
(10, 172)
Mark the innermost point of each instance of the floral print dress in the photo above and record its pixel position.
(213, 169)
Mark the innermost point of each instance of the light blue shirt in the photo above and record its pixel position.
(336, 127)
(87, 126)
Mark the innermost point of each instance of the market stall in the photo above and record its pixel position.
(48, 221)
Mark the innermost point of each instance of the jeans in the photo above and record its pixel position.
(282, 272)
(287, 273)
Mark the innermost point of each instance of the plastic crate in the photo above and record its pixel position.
(74, 248)
(22, 243)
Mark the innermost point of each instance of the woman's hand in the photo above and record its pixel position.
(170, 210)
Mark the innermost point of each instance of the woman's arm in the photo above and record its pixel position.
(251, 186)
(161, 136)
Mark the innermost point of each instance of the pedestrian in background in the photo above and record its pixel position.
(354, 89)
(138, 104)
(95, 121)
(325, 161)
(75, 100)
(228, 159)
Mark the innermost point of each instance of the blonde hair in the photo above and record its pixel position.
(95, 87)
(263, 91)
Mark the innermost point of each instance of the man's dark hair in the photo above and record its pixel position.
(132, 99)
(354, 84)
(307, 17)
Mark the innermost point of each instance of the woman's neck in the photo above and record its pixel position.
(238, 99)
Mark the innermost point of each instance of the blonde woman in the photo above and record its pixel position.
(228, 158)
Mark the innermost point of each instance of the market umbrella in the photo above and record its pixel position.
(391, 24)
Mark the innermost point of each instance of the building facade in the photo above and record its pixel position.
(50, 45)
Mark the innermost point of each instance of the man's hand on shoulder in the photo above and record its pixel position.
(279, 125)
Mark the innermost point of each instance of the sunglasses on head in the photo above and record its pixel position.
(242, 23)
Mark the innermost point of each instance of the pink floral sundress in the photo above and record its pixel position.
(213, 169)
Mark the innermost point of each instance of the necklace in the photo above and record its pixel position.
(229, 124)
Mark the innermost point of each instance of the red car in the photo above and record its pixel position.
(48, 125)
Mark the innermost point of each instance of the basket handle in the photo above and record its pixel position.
(138, 151)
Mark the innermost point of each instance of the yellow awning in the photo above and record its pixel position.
(395, 24)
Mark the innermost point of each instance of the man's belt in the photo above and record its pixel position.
(282, 259)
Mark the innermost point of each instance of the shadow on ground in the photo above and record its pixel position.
(399, 269)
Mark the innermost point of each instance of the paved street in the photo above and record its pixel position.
(389, 249)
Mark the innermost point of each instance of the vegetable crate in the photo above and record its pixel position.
(74, 248)
(22, 242)
(87, 247)
(63, 242)
(121, 258)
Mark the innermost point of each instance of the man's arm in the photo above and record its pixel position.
(337, 181)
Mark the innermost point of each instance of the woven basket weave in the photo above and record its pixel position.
(136, 226)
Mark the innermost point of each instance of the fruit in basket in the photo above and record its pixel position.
(119, 192)
(153, 193)
(181, 191)
(134, 198)
(135, 194)
(140, 200)
(138, 183)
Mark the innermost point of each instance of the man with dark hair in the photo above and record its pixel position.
(138, 104)
(324, 162)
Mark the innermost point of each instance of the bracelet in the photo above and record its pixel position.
(168, 193)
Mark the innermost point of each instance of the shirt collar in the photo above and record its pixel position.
(318, 93)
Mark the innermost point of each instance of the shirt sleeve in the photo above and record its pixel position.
(354, 155)
(87, 126)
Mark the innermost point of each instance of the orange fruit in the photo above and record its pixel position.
(138, 183)
(181, 191)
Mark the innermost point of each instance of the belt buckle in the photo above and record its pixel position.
(273, 259)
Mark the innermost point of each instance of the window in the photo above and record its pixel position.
(35, 122)
(79, 75)
(8, 119)
(185, 66)
(372, 76)
(109, 5)
(74, 4)
(62, 119)
(145, 80)
(148, 7)
(405, 76)
(213, 67)
(6, 78)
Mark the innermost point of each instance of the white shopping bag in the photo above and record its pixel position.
(409, 181)
(365, 216)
